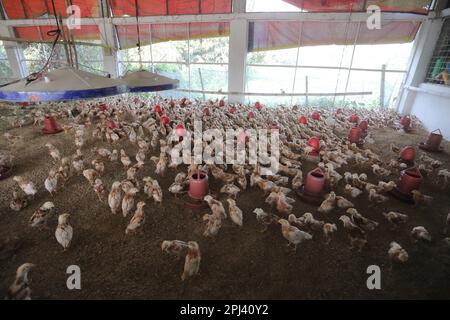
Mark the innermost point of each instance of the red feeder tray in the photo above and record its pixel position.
(50, 126)
(158, 109)
(221, 103)
(250, 115)
(206, 112)
(258, 106)
(433, 142)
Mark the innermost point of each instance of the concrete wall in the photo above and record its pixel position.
(429, 102)
(431, 105)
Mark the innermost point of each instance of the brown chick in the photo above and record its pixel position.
(234, 212)
(293, 235)
(216, 206)
(397, 253)
(420, 198)
(420, 233)
(137, 221)
(176, 248)
(356, 235)
(328, 230)
(20, 289)
(128, 201)
(328, 204)
(115, 197)
(18, 202)
(192, 261)
(297, 180)
(126, 161)
(90, 175)
(230, 189)
(395, 218)
(99, 190)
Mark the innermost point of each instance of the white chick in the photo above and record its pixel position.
(64, 231)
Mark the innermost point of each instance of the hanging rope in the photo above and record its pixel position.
(51, 33)
(138, 34)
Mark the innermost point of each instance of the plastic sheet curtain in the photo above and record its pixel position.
(155, 33)
(271, 35)
(412, 6)
(87, 32)
(171, 7)
(34, 9)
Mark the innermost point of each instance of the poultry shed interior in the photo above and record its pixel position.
(224, 150)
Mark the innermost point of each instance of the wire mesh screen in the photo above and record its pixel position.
(439, 68)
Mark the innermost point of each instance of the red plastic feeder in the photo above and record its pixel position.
(315, 143)
(363, 125)
(50, 126)
(111, 124)
(198, 189)
(250, 115)
(312, 190)
(258, 106)
(406, 122)
(303, 120)
(407, 155)
(158, 109)
(433, 142)
(206, 112)
(165, 120)
(315, 115)
(410, 179)
(180, 130)
(273, 126)
(102, 107)
(354, 118)
(221, 103)
(354, 135)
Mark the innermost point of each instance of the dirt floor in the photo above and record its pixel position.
(239, 264)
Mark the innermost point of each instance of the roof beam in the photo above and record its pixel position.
(251, 16)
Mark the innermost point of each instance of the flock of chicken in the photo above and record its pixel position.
(140, 123)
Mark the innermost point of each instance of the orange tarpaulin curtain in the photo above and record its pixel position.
(169, 31)
(175, 7)
(271, 35)
(87, 32)
(33, 9)
(146, 8)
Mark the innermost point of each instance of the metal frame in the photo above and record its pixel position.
(239, 19)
